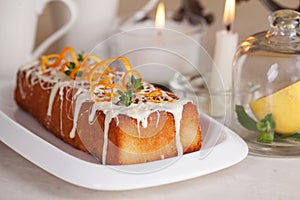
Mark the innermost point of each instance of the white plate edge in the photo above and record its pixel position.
(69, 177)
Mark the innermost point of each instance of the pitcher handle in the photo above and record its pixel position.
(60, 32)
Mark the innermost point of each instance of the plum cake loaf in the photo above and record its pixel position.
(112, 114)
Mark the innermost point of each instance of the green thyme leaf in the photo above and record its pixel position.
(125, 97)
(72, 65)
(135, 84)
(244, 119)
(80, 56)
(68, 72)
(132, 86)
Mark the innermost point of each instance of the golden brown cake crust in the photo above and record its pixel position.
(127, 142)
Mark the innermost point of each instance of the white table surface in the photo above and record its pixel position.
(253, 178)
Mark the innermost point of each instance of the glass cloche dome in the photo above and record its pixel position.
(266, 88)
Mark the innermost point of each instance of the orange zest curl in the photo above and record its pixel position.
(64, 66)
(105, 66)
(62, 60)
(100, 75)
(74, 73)
(90, 57)
(93, 73)
(125, 61)
(155, 95)
(63, 56)
(45, 61)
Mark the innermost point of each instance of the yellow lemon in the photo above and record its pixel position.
(285, 107)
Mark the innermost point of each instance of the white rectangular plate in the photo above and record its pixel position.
(222, 148)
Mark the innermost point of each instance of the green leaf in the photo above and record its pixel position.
(120, 92)
(125, 98)
(80, 56)
(135, 84)
(68, 72)
(266, 137)
(294, 137)
(267, 124)
(72, 65)
(132, 86)
(266, 128)
(244, 119)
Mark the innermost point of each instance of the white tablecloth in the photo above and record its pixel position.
(253, 178)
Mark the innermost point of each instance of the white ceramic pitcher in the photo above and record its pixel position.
(95, 23)
(18, 19)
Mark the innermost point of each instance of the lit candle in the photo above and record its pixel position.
(158, 42)
(160, 17)
(221, 76)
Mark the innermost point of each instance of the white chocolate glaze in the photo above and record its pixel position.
(78, 103)
(53, 92)
(61, 98)
(58, 83)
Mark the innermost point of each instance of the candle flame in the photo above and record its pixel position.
(229, 12)
(160, 17)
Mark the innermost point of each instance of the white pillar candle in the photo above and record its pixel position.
(226, 43)
(221, 75)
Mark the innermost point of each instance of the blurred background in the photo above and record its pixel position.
(41, 23)
(251, 17)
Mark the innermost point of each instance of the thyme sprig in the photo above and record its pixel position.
(133, 86)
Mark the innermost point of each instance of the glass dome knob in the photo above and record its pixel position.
(284, 26)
